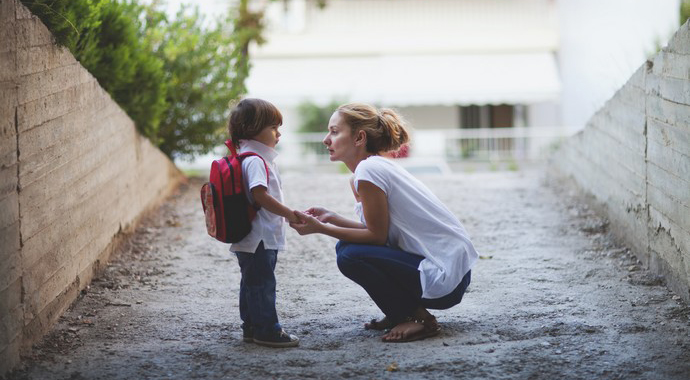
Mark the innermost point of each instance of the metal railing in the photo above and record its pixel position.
(472, 144)
(501, 144)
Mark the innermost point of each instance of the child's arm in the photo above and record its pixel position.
(265, 200)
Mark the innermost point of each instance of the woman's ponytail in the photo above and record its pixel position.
(394, 128)
(385, 129)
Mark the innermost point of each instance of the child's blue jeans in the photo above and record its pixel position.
(258, 290)
(391, 278)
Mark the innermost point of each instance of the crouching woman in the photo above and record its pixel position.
(408, 251)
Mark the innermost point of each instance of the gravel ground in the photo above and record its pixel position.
(553, 296)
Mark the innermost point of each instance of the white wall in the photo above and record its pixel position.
(602, 43)
(543, 114)
(431, 117)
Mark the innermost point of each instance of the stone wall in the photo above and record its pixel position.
(74, 176)
(634, 157)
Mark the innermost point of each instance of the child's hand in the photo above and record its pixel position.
(306, 224)
(320, 213)
(293, 219)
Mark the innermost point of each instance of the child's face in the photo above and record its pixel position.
(269, 136)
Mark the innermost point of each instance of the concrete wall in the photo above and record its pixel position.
(74, 175)
(634, 157)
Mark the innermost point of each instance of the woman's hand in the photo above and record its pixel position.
(292, 218)
(321, 214)
(307, 224)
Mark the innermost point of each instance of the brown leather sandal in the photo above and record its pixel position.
(383, 324)
(431, 328)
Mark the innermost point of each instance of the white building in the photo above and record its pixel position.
(456, 69)
(444, 64)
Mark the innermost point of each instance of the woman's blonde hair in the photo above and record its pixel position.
(250, 116)
(385, 129)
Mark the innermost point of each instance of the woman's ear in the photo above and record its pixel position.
(361, 138)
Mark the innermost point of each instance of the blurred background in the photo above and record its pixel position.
(483, 83)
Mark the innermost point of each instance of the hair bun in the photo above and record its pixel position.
(385, 129)
(395, 127)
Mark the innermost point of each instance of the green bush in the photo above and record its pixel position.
(315, 118)
(174, 78)
(204, 70)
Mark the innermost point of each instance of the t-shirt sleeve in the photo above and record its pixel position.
(372, 171)
(255, 172)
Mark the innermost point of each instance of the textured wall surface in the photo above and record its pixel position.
(634, 157)
(74, 175)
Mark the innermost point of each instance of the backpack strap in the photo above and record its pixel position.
(242, 156)
(231, 146)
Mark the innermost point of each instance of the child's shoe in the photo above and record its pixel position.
(247, 334)
(276, 339)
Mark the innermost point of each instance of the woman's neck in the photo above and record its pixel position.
(352, 165)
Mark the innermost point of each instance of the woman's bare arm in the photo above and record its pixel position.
(375, 209)
(328, 216)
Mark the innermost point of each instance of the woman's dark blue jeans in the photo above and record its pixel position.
(391, 278)
(258, 290)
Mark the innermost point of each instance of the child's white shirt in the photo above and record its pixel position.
(421, 224)
(267, 226)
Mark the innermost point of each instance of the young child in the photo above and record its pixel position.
(253, 127)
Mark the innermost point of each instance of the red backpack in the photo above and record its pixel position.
(228, 212)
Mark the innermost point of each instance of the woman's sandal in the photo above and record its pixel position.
(383, 324)
(431, 328)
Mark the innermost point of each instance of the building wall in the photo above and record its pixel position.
(431, 117)
(545, 114)
(602, 43)
(298, 28)
(74, 176)
(634, 157)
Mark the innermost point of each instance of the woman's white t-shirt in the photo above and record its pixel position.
(267, 226)
(420, 224)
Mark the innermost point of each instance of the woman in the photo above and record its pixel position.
(409, 252)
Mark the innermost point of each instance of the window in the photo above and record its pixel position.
(487, 116)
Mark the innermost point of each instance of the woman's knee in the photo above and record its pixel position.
(345, 257)
(343, 250)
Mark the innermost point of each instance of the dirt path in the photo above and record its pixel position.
(552, 297)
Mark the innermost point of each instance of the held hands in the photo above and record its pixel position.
(310, 221)
(321, 214)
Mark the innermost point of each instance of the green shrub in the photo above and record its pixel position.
(204, 70)
(315, 118)
(174, 78)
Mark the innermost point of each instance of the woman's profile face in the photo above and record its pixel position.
(339, 140)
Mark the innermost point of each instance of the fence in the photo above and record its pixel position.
(454, 145)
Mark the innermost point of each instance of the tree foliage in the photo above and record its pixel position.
(684, 11)
(173, 77)
(204, 71)
(315, 118)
